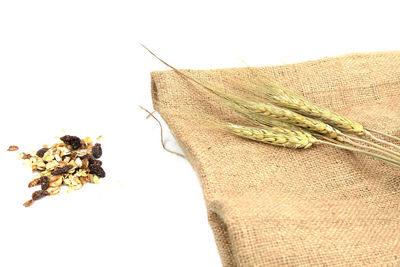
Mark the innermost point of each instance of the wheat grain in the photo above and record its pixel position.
(285, 97)
(290, 140)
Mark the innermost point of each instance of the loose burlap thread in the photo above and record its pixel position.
(272, 206)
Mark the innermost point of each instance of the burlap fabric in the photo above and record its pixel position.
(271, 206)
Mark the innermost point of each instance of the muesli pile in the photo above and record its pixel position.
(72, 163)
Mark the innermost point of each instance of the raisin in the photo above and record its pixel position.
(97, 151)
(39, 194)
(73, 141)
(44, 182)
(62, 170)
(40, 152)
(97, 170)
(96, 162)
(93, 161)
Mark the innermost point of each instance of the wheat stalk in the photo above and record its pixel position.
(264, 109)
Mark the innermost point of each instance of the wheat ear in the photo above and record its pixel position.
(274, 124)
(267, 110)
(292, 139)
(285, 97)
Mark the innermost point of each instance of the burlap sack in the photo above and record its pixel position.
(271, 206)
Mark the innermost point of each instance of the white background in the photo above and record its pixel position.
(78, 65)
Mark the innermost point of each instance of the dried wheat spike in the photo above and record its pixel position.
(293, 139)
(268, 110)
(286, 98)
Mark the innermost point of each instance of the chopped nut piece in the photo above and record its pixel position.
(95, 179)
(87, 142)
(62, 164)
(12, 148)
(26, 156)
(34, 183)
(41, 166)
(56, 181)
(54, 190)
(28, 203)
(48, 156)
(85, 163)
(78, 162)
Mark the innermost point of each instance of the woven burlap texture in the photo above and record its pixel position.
(272, 206)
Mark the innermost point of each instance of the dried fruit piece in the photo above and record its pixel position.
(39, 194)
(28, 203)
(62, 170)
(93, 161)
(97, 151)
(97, 170)
(12, 148)
(40, 152)
(96, 162)
(44, 182)
(73, 141)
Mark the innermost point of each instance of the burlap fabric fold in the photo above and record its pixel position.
(272, 206)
